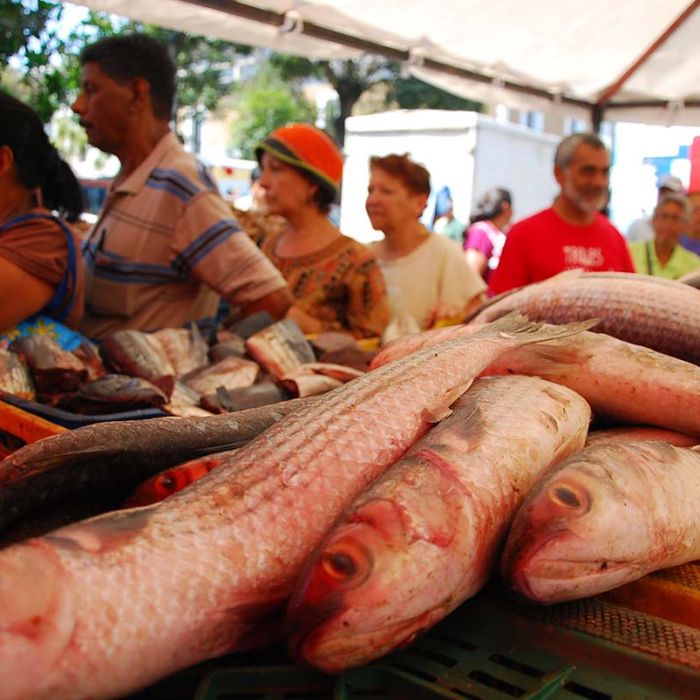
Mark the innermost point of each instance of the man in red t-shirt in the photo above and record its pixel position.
(572, 234)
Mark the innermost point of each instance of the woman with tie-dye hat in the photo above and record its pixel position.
(336, 280)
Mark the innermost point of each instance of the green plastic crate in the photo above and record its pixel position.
(488, 649)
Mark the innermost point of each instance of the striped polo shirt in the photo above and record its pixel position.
(165, 248)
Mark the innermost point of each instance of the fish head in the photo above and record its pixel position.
(37, 617)
(577, 535)
(354, 599)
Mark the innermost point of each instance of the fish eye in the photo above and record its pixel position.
(346, 563)
(339, 565)
(168, 483)
(565, 497)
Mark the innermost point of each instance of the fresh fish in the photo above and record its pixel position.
(640, 432)
(186, 402)
(280, 348)
(230, 373)
(425, 536)
(227, 345)
(140, 355)
(261, 394)
(123, 389)
(172, 480)
(15, 377)
(185, 347)
(317, 378)
(250, 325)
(622, 381)
(117, 456)
(125, 598)
(658, 313)
(54, 370)
(89, 355)
(341, 349)
(608, 515)
(183, 395)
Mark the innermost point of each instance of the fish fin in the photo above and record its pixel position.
(517, 325)
(440, 408)
(105, 532)
(543, 359)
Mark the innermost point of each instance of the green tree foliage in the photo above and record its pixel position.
(264, 104)
(204, 66)
(411, 93)
(352, 78)
(45, 69)
(28, 40)
(349, 78)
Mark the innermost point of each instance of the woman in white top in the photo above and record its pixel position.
(426, 274)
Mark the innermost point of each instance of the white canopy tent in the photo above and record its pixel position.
(627, 60)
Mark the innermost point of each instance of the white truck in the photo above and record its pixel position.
(466, 151)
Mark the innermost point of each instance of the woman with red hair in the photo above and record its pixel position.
(428, 279)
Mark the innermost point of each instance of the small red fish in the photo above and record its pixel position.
(172, 480)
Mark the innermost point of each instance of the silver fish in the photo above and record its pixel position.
(622, 381)
(658, 313)
(426, 535)
(607, 516)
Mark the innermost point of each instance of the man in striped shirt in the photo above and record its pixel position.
(165, 247)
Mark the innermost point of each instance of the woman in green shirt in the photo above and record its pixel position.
(664, 256)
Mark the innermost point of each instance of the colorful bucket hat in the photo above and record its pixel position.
(309, 149)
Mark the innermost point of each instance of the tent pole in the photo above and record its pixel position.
(613, 89)
(597, 117)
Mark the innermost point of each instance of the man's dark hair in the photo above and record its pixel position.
(130, 56)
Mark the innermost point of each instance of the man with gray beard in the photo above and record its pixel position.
(572, 233)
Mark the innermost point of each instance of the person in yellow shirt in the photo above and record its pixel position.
(664, 256)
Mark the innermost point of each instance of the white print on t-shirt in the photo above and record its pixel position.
(578, 256)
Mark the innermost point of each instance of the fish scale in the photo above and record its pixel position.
(155, 589)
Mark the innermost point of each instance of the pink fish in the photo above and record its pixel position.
(621, 381)
(607, 516)
(657, 313)
(170, 481)
(106, 606)
(425, 536)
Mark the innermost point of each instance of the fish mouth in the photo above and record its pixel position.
(305, 622)
(340, 652)
(558, 580)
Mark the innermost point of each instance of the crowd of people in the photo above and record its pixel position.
(167, 249)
